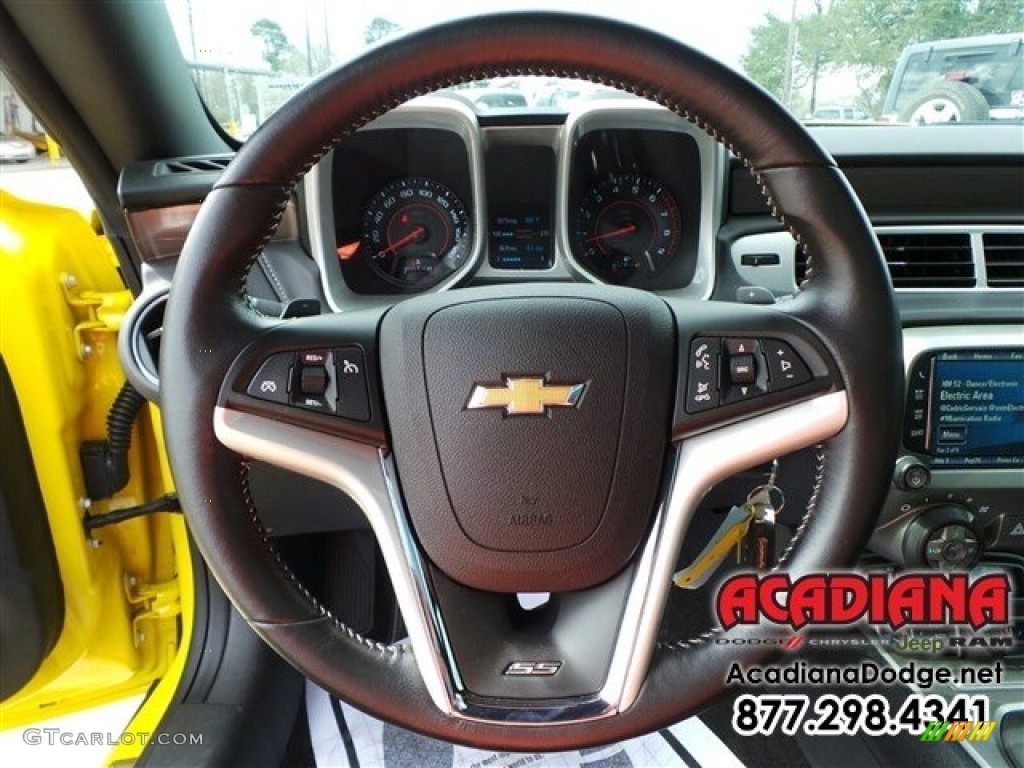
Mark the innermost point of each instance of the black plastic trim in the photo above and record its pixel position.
(324, 332)
(234, 691)
(149, 184)
(720, 320)
(987, 188)
(31, 592)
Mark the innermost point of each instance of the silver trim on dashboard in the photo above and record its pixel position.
(424, 112)
(539, 136)
(433, 111)
(781, 278)
(639, 114)
(367, 475)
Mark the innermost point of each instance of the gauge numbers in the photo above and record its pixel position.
(625, 227)
(415, 232)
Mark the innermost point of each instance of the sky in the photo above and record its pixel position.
(720, 27)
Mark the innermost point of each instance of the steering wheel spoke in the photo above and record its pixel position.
(737, 361)
(483, 656)
(524, 659)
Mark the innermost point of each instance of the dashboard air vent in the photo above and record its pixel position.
(929, 260)
(138, 343)
(192, 165)
(801, 265)
(1004, 259)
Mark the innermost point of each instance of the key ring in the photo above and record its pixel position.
(765, 492)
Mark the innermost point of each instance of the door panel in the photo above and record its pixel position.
(118, 627)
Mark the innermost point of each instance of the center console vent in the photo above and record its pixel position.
(929, 260)
(1004, 259)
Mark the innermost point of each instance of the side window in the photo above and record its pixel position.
(32, 165)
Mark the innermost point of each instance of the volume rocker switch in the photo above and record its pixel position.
(785, 368)
(313, 380)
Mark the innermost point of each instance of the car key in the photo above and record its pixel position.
(759, 540)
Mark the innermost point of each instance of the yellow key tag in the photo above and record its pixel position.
(728, 536)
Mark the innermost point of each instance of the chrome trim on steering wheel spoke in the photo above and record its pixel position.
(700, 462)
(367, 475)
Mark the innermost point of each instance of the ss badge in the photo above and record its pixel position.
(533, 668)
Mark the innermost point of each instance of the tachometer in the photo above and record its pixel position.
(416, 232)
(626, 225)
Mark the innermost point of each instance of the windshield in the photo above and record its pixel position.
(845, 61)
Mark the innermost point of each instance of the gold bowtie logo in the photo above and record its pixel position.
(526, 396)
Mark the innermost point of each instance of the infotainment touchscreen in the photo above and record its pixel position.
(972, 405)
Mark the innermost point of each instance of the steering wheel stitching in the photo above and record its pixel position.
(593, 657)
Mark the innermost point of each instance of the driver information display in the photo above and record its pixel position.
(977, 410)
(520, 238)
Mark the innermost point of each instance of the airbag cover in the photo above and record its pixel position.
(527, 482)
(507, 490)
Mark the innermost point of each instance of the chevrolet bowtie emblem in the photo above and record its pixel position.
(524, 396)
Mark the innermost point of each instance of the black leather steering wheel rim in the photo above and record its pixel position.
(846, 301)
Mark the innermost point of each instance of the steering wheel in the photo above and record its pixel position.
(518, 439)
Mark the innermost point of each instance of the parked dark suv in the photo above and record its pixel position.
(968, 79)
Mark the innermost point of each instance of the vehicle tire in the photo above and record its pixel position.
(948, 102)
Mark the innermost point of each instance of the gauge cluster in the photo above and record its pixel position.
(639, 196)
(429, 198)
(402, 209)
(416, 232)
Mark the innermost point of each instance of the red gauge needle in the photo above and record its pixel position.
(403, 241)
(629, 229)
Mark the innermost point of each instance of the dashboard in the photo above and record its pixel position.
(433, 197)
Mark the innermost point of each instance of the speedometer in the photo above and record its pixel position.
(416, 232)
(626, 225)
